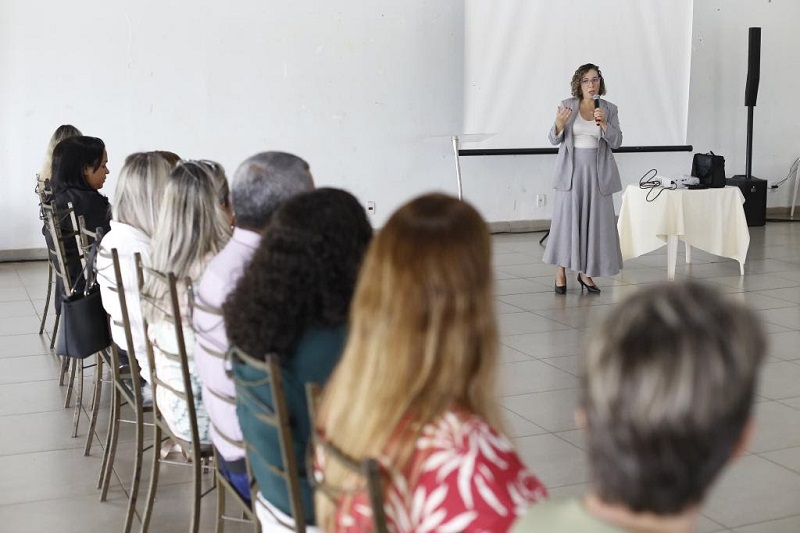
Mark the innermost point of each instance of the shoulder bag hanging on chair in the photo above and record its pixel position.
(84, 324)
(710, 169)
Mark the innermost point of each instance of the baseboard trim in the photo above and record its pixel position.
(519, 226)
(27, 254)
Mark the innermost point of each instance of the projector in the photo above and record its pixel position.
(685, 181)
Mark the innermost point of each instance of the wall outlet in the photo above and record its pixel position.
(371, 207)
(541, 200)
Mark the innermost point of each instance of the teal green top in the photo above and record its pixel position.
(316, 356)
(566, 516)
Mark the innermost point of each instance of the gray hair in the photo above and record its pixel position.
(668, 389)
(139, 189)
(263, 182)
(192, 227)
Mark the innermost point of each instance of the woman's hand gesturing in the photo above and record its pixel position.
(562, 115)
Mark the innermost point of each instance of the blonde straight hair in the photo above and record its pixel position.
(192, 227)
(65, 131)
(423, 338)
(139, 189)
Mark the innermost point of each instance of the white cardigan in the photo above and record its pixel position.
(128, 241)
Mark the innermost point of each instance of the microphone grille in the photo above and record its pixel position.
(596, 97)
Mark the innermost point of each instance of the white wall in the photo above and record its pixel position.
(359, 89)
(362, 90)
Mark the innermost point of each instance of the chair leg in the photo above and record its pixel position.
(79, 400)
(151, 492)
(64, 370)
(220, 502)
(197, 467)
(47, 299)
(112, 447)
(98, 390)
(55, 332)
(72, 364)
(106, 465)
(137, 467)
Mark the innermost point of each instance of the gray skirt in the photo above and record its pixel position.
(583, 233)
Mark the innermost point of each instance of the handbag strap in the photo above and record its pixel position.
(88, 272)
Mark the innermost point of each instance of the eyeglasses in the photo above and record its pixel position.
(593, 81)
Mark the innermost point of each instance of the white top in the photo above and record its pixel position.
(585, 132)
(128, 241)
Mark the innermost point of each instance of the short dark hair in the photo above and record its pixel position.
(263, 182)
(71, 156)
(302, 275)
(575, 84)
(667, 391)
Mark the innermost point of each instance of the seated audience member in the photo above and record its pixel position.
(64, 131)
(136, 203)
(292, 302)
(191, 229)
(260, 185)
(79, 172)
(666, 404)
(415, 386)
(171, 157)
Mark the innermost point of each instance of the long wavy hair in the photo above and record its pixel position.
(191, 228)
(423, 337)
(64, 131)
(140, 187)
(302, 275)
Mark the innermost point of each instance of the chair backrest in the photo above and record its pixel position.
(368, 469)
(56, 249)
(197, 304)
(85, 238)
(117, 287)
(268, 373)
(170, 309)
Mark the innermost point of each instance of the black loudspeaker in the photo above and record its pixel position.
(755, 198)
(753, 67)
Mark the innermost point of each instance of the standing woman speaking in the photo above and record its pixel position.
(583, 233)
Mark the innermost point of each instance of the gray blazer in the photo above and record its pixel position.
(608, 180)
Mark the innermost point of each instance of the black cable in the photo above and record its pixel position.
(648, 181)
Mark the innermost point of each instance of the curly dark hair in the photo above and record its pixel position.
(302, 275)
(575, 84)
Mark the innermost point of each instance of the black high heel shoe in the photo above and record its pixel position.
(592, 289)
(561, 289)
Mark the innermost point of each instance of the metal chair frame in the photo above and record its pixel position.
(224, 487)
(277, 417)
(123, 394)
(59, 262)
(43, 194)
(197, 453)
(369, 469)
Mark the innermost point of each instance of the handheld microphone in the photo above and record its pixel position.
(596, 99)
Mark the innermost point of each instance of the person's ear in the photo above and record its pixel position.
(745, 438)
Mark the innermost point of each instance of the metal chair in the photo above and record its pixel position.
(43, 193)
(127, 390)
(224, 487)
(252, 378)
(64, 267)
(193, 449)
(368, 469)
(85, 239)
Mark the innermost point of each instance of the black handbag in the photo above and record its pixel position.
(84, 328)
(709, 169)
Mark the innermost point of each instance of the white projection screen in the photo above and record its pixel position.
(520, 56)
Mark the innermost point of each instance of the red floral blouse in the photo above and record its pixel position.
(468, 478)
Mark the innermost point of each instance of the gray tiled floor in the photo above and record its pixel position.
(47, 484)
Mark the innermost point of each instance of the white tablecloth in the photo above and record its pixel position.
(710, 219)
